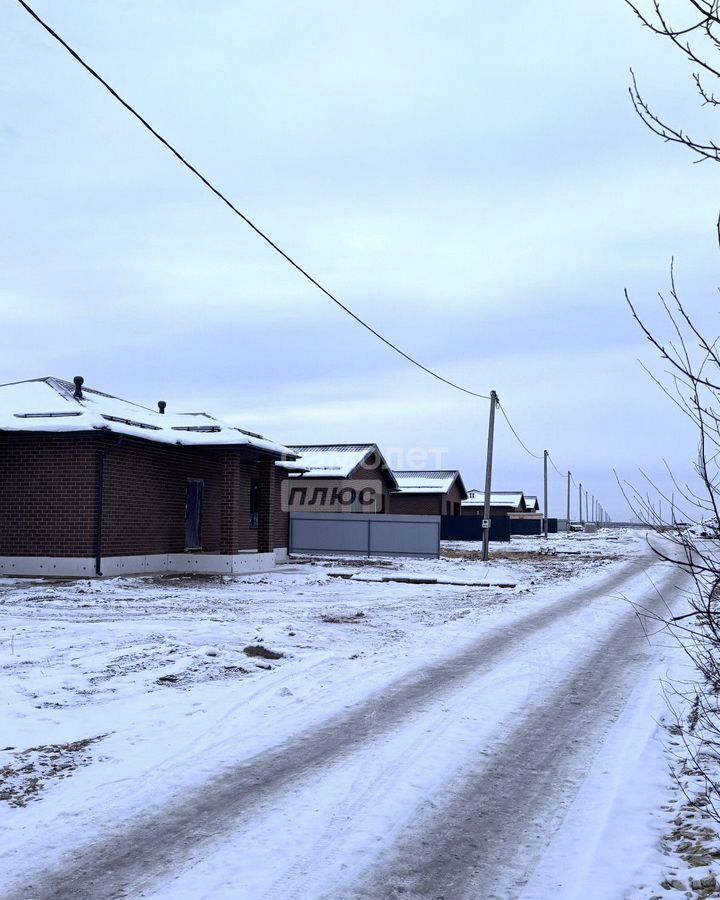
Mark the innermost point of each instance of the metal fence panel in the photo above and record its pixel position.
(365, 534)
(331, 532)
(526, 526)
(469, 528)
(415, 538)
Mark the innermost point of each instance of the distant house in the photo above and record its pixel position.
(429, 493)
(338, 478)
(532, 504)
(94, 485)
(502, 503)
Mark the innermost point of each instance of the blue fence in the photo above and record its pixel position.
(527, 527)
(469, 528)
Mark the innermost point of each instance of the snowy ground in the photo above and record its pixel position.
(123, 697)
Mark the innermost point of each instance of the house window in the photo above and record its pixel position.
(254, 502)
(193, 514)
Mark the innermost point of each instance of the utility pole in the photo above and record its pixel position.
(568, 500)
(488, 478)
(587, 508)
(545, 509)
(580, 519)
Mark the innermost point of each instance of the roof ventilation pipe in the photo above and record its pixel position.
(78, 380)
(161, 406)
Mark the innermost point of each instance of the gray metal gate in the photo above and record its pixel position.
(365, 534)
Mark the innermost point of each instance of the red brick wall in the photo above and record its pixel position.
(455, 496)
(235, 531)
(281, 517)
(48, 491)
(145, 498)
(427, 504)
(47, 494)
(374, 472)
(494, 510)
(266, 502)
(417, 504)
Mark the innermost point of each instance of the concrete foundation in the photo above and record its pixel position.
(154, 564)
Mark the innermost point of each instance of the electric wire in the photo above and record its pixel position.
(529, 451)
(517, 436)
(208, 184)
(552, 463)
(237, 212)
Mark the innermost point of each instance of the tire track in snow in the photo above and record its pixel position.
(130, 859)
(486, 841)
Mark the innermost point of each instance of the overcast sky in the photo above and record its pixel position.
(468, 177)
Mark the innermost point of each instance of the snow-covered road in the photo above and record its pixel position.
(442, 780)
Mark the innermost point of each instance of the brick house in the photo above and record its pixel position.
(94, 485)
(338, 478)
(430, 493)
(502, 503)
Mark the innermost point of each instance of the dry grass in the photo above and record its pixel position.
(27, 774)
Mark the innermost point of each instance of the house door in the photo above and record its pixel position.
(193, 514)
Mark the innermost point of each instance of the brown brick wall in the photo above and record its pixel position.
(145, 498)
(427, 504)
(47, 494)
(374, 472)
(417, 504)
(235, 530)
(281, 518)
(455, 496)
(494, 510)
(48, 491)
(266, 502)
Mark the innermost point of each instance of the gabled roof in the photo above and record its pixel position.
(434, 481)
(338, 460)
(48, 405)
(514, 499)
(531, 502)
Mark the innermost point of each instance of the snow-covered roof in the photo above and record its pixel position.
(49, 405)
(531, 501)
(509, 498)
(435, 481)
(337, 460)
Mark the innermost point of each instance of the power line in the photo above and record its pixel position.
(527, 449)
(237, 212)
(517, 436)
(552, 463)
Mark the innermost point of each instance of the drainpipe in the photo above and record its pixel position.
(99, 502)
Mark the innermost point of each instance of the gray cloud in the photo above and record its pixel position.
(472, 181)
